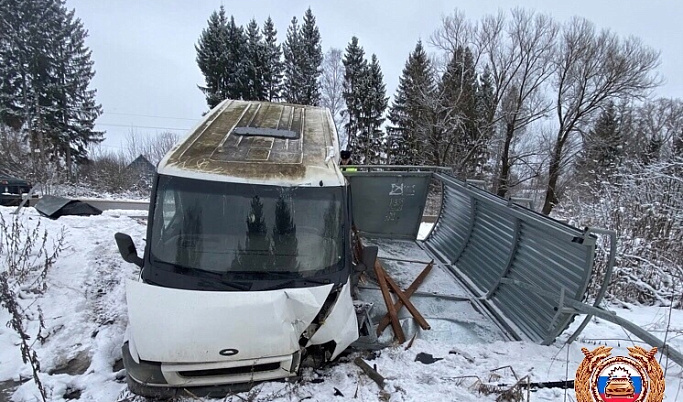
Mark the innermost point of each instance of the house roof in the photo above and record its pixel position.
(141, 163)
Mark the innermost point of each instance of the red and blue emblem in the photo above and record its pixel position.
(637, 377)
(619, 381)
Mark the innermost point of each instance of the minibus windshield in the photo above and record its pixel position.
(236, 231)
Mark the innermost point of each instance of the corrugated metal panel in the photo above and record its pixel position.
(489, 239)
(389, 204)
(451, 230)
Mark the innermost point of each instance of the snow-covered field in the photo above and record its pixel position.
(85, 318)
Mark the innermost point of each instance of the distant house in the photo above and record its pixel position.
(142, 169)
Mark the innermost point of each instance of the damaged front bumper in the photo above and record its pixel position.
(159, 380)
(189, 339)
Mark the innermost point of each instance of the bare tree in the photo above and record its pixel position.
(151, 146)
(659, 129)
(108, 171)
(520, 69)
(456, 31)
(518, 53)
(451, 134)
(162, 144)
(332, 86)
(592, 68)
(435, 127)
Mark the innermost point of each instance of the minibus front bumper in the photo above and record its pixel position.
(159, 380)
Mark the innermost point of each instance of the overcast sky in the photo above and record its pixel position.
(146, 74)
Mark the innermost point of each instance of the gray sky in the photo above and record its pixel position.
(147, 76)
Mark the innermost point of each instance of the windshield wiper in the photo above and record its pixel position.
(205, 279)
(318, 281)
(234, 285)
(264, 274)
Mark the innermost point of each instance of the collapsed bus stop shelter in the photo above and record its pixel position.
(501, 271)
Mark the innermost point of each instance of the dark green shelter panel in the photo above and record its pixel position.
(389, 204)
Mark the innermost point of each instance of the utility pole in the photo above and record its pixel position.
(41, 141)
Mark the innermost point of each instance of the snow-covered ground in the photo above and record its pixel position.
(85, 316)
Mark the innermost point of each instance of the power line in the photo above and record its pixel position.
(138, 126)
(107, 146)
(149, 115)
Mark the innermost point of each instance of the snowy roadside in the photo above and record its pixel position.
(85, 316)
(83, 191)
(84, 310)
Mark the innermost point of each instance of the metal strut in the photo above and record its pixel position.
(576, 307)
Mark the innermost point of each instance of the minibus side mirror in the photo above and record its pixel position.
(127, 249)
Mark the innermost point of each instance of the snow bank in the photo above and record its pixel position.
(84, 310)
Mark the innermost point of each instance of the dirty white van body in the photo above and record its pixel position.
(247, 258)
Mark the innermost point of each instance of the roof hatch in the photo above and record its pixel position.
(266, 132)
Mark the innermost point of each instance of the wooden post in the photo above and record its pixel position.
(409, 292)
(372, 373)
(395, 324)
(407, 303)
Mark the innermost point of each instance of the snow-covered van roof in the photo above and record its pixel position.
(262, 143)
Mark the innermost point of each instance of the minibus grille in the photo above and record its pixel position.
(255, 368)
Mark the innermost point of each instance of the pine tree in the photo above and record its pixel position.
(285, 243)
(235, 73)
(312, 59)
(211, 57)
(42, 21)
(411, 113)
(77, 109)
(457, 143)
(13, 58)
(272, 63)
(677, 147)
(292, 89)
(486, 107)
(303, 59)
(355, 82)
(374, 105)
(254, 62)
(256, 254)
(46, 72)
(486, 110)
(602, 150)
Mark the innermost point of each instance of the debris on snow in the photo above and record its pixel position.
(427, 358)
